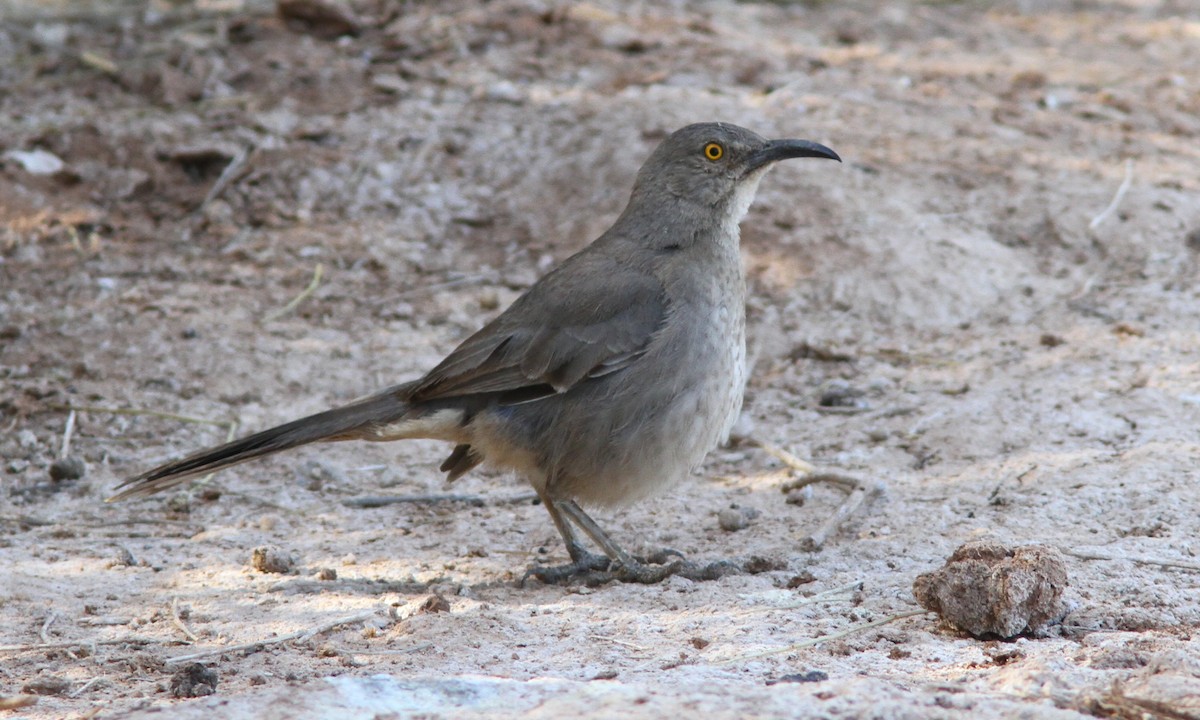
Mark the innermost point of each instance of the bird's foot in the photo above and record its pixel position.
(582, 568)
(594, 570)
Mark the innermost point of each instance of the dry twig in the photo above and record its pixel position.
(300, 636)
(374, 501)
(618, 641)
(406, 651)
(1120, 194)
(304, 294)
(856, 492)
(78, 643)
(67, 432)
(813, 642)
(44, 632)
(1176, 564)
(179, 623)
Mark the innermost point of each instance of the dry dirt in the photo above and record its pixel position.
(1000, 281)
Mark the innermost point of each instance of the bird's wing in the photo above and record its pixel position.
(578, 322)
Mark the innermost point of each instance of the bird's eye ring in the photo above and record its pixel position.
(713, 151)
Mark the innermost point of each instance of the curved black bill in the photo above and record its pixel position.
(776, 150)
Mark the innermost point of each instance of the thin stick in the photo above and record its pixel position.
(67, 432)
(813, 642)
(617, 641)
(408, 651)
(374, 501)
(856, 492)
(1194, 567)
(787, 458)
(77, 643)
(231, 426)
(830, 595)
(83, 688)
(304, 294)
(142, 411)
(234, 166)
(815, 540)
(179, 623)
(300, 636)
(465, 280)
(46, 626)
(1121, 190)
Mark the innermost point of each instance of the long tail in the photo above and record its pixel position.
(359, 420)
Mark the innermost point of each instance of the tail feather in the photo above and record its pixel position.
(358, 420)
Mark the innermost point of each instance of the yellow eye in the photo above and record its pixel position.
(714, 151)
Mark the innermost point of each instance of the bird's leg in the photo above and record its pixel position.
(616, 563)
(626, 569)
(630, 569)
(583, 563)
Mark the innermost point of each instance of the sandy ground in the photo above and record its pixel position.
(1001, 277)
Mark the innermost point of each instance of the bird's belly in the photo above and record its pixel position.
(659, 428)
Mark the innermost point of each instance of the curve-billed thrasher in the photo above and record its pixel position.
(608, 380)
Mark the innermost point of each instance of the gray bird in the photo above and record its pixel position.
(609, 380)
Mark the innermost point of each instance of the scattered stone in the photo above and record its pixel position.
(123, 558)
(324, 18)
(1192, 240)
(272, 560)
(805, 677)
(802, 578)
(67, 469)
(327, 574)
(606, 675)
(759, 564)
(1051, 340)
(733, 519)
(841, 394)
(315, 476)
(435, 604)
(209, 493)
(195, 680)
(36, 162)
(700, 643)
(987, 588)
(180, 503)
(876, 434)
(47, 685)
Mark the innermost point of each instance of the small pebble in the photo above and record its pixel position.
(48, 685)
(732, 520)
(272, 560)
(805, 677)
(877, 434)
(67, 468)
(195, 680)
(435, 604)
(123, 558)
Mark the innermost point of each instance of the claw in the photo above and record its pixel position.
(595, 570)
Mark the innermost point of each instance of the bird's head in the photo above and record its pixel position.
(718, 164)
